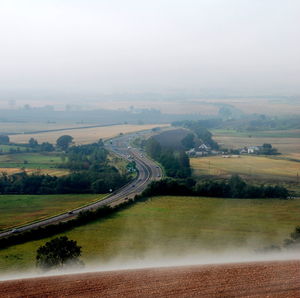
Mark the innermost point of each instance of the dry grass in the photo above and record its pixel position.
(254, 166)
(286, 146)
(85, 135)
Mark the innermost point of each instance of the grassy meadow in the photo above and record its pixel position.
(257, 167)
(7, 148)
(84, 135)
(43, 163)
(30, 160)
(17, 210)
(173, 226)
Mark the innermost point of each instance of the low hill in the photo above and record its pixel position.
(172, 138)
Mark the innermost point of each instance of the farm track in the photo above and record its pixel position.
(264, 279)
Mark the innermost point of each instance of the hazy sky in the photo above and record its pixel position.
(158, 45)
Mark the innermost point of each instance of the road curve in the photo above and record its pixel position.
(147, 172)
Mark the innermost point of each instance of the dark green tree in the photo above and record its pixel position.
(153, 148)
(188, 141)
(47, 147)
(4, 139)
(237, 186)
(294, 240)
(57, 253)
(33, 143)
(64, 142)
(100, 143)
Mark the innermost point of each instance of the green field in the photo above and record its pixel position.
(6, 148)
(174, 226)
(20, 209)
(30, 160)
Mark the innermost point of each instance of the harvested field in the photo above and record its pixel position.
(285, 146)
(265, 279)
(252, 166)
(84, 135)
(290, 133)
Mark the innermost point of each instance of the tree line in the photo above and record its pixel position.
(76, 183)
(200, 130)
(235, 187)
(90, 173)
(82, 218)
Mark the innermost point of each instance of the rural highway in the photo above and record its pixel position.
(147, 171)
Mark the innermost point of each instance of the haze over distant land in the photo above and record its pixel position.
(63, 51)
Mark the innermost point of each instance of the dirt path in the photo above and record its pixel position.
(265, 279)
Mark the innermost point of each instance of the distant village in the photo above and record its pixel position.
(205, 150)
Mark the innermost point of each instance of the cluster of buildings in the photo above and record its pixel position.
(202, 150)
(205, 150)
(250, 150)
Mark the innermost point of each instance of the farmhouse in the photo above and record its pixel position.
(202, 150)
(253, 149)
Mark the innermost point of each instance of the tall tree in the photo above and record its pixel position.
(4, 139)
(33, 143)
(64, 142)
(57, 253)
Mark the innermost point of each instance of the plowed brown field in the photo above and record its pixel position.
(265, 279)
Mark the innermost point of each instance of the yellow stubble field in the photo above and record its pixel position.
(85, 135)
(253, 166)
(286, 146)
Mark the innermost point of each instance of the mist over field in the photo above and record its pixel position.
(150, 133)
